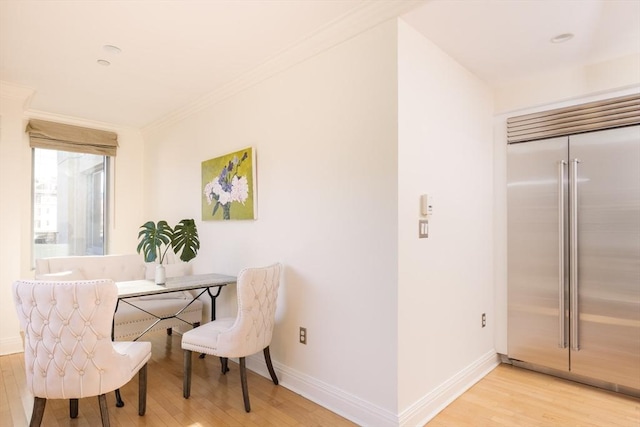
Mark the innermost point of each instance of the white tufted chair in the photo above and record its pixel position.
(68, 349)
(244, 335)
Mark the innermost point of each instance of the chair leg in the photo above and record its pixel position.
(186, 379)
(38, 411)
(73, 408)
(142, 390)
(224, 365)
(104, 410)
(245, 388)
(267, 359)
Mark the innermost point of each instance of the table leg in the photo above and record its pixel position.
(119, 401)
(213, 301)
(213, 309)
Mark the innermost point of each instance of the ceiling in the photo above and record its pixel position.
(507, 40)
(176, 55)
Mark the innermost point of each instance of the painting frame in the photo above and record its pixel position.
(228, 187)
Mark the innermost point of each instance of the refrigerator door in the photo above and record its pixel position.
(608, 254)
(537, 239)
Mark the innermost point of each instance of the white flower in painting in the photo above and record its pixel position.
(224, 197)
(213, 190)
(208, 192)
(239, 189)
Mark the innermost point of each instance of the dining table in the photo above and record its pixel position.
(210, 283)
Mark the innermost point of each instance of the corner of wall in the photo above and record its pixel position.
(15, 181)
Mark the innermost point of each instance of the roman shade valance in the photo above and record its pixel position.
(57, 136)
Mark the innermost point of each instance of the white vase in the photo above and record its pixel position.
(161, 274)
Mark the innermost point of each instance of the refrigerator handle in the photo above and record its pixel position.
(573, 252)
(562, 339)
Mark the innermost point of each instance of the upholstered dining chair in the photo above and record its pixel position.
(248, 333)
(68, 349)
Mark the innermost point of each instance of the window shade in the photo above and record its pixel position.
(610, 113)
(57, 136)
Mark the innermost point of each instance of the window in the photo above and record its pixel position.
(69, 203)
(70, 167)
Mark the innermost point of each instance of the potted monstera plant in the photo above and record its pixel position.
(155, 239)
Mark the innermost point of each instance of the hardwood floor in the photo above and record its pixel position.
(508, 396)
(216, 399)
(511, 396)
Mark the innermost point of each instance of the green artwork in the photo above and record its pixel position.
(228, 186)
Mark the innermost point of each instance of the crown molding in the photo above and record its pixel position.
(25, 94)
(75, 121)
(16, 92)
(361, 18)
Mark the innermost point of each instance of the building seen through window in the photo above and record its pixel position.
(69, 208)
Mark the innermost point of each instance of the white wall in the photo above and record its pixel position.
(15, 199)
(325, 136)
(125, 214)
(446, 280)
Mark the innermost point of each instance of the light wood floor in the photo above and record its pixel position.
(216, 399)
(508, 396)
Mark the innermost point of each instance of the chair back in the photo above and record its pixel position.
(253, 329)
(68, 348)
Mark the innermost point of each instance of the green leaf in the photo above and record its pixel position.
(185, 239)
(151, 238)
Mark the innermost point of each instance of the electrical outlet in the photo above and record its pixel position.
(303, 335)
(484, 320)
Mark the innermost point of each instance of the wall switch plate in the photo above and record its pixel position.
(303, 335)
(484, 320)
(423, 228)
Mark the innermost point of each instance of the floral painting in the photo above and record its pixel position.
(228, 186)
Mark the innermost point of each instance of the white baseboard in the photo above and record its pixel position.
(11, 345)
(431, 404)
(364, 413)
(342, 403)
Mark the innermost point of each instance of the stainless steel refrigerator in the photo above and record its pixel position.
(574, 256)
